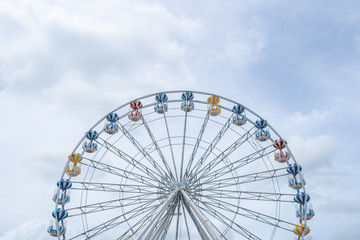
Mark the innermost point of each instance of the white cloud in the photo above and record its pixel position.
(306, 123)
(313, 152)
(34, 229)
(111, 43)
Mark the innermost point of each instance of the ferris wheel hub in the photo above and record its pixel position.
(178, 186)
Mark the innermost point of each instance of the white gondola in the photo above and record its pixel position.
(111, 128)
(282, 157)
(52, 229)
(305, 238)
(89, 147)
(295, 182)
(300, 212)
(214, 110)
(64, 198)
(134, 115)
(187, 106)
(161, 108)
(72, 170)
(239, 120)
(262, 135)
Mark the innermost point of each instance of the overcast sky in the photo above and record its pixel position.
(65, 64)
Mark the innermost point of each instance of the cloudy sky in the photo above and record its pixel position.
(65, 64)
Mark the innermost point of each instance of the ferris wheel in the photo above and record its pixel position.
(181, 165)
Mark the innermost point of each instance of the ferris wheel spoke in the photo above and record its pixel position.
(211, 147)
(140, 224)
(157, 148)
(113, 225)
(251, 214)
(237, 164)
(170, 144)
(130, 160)
(224, 154)
(105, 206)
(218, 182)
(229, 223)
(196, 146)
(112, 187)
(114, 221)
(183, 147)
(119, 172)
(143, 152)
(133, 200)
(134, 228)
(247, 195)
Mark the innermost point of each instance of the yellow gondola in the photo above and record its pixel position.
(73, 171)
(213, 100)
(214, 110)
(300, 228)
(75, 158)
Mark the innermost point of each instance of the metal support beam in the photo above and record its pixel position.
(156, 217)
(204, 221)
(198, 226)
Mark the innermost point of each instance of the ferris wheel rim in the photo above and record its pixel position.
(178, 91)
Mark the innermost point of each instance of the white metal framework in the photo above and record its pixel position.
(180, 165)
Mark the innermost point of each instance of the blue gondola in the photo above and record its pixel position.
(238, 109)
(239, 120)
(262, 135)
(296, 183)
(111, 128)
(52, 231)
(63, 199)
(60, 214)
(302, 198)
(91, 135)
(64, 184)
(187, 96)
(301, 213)
(161, 97)
(261, 123)
(294, 169)
(112, 117)
(161, 108)
(89, 147)
(187, 106)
